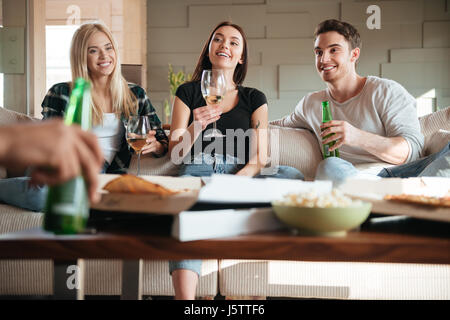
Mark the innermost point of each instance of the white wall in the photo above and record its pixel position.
(412, 46)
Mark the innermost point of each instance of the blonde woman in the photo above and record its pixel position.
(93, 56)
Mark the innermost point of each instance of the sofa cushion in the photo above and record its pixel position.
(14, 219)
(103, 277)
(333, 280)
(281, 141)
(154, 166)
(294, 147)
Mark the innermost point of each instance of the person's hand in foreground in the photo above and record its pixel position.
(56, 153)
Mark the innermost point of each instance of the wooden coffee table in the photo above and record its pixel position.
(410, 241)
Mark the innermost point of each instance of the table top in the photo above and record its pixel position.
(408, 241)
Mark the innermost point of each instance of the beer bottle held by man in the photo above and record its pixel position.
(67, 207)
(326, 116)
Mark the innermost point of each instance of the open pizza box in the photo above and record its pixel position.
(374, 191)
(151, 203)
(218, 189)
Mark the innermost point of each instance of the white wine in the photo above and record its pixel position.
(137, 143)
(213, 99)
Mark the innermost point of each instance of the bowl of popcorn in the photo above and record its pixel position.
(325, 214)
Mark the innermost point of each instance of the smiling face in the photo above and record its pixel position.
(226, 48)
(101, 57)
(334, 58)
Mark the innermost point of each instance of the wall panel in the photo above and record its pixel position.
(280, 38)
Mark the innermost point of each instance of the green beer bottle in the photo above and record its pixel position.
(326, 116)
(67, 206)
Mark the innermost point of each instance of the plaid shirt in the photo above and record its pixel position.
(57, 100)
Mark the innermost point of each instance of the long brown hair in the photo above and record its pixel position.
(123, 100)
(204, 63)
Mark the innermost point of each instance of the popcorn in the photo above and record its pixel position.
(311, 199)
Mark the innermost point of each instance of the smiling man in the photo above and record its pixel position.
(374, 119)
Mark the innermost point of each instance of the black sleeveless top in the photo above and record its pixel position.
(234, 124)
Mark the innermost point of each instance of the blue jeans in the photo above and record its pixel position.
(18, 192)
(434, 165)
(204, 165)
(207, 166)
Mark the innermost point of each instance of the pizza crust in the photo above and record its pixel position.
(421, 199)
(128, 183)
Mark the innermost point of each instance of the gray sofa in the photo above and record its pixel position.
(244, 278)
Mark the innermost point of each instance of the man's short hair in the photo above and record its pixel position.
(345, 29)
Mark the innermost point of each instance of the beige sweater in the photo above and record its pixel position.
(383, 107)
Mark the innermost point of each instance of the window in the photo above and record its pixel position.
(58, 39)
(426, 103)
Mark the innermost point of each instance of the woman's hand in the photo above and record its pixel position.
(250, 170)
(207, 114)
(153, 145)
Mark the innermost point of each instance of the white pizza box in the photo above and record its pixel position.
(150, 203)
(191, 225)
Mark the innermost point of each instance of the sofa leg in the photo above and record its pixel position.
(68, 280)
(132, 280)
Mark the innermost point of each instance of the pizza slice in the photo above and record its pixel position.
(128, 183)
(421, 199)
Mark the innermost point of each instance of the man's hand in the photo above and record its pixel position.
(394, 150)
(342, 132)
(207, 114)
(56, 153)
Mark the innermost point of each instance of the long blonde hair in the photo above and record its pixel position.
(123, 100)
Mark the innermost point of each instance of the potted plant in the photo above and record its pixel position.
(175, 80)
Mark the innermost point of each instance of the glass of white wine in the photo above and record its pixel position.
(213, 87)
(137, 129)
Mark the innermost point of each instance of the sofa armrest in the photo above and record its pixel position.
(436, 142)
(435, 129)
(433, 122)
(9, 117)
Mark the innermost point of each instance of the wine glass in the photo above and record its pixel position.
(213, 90)
(137, 130)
